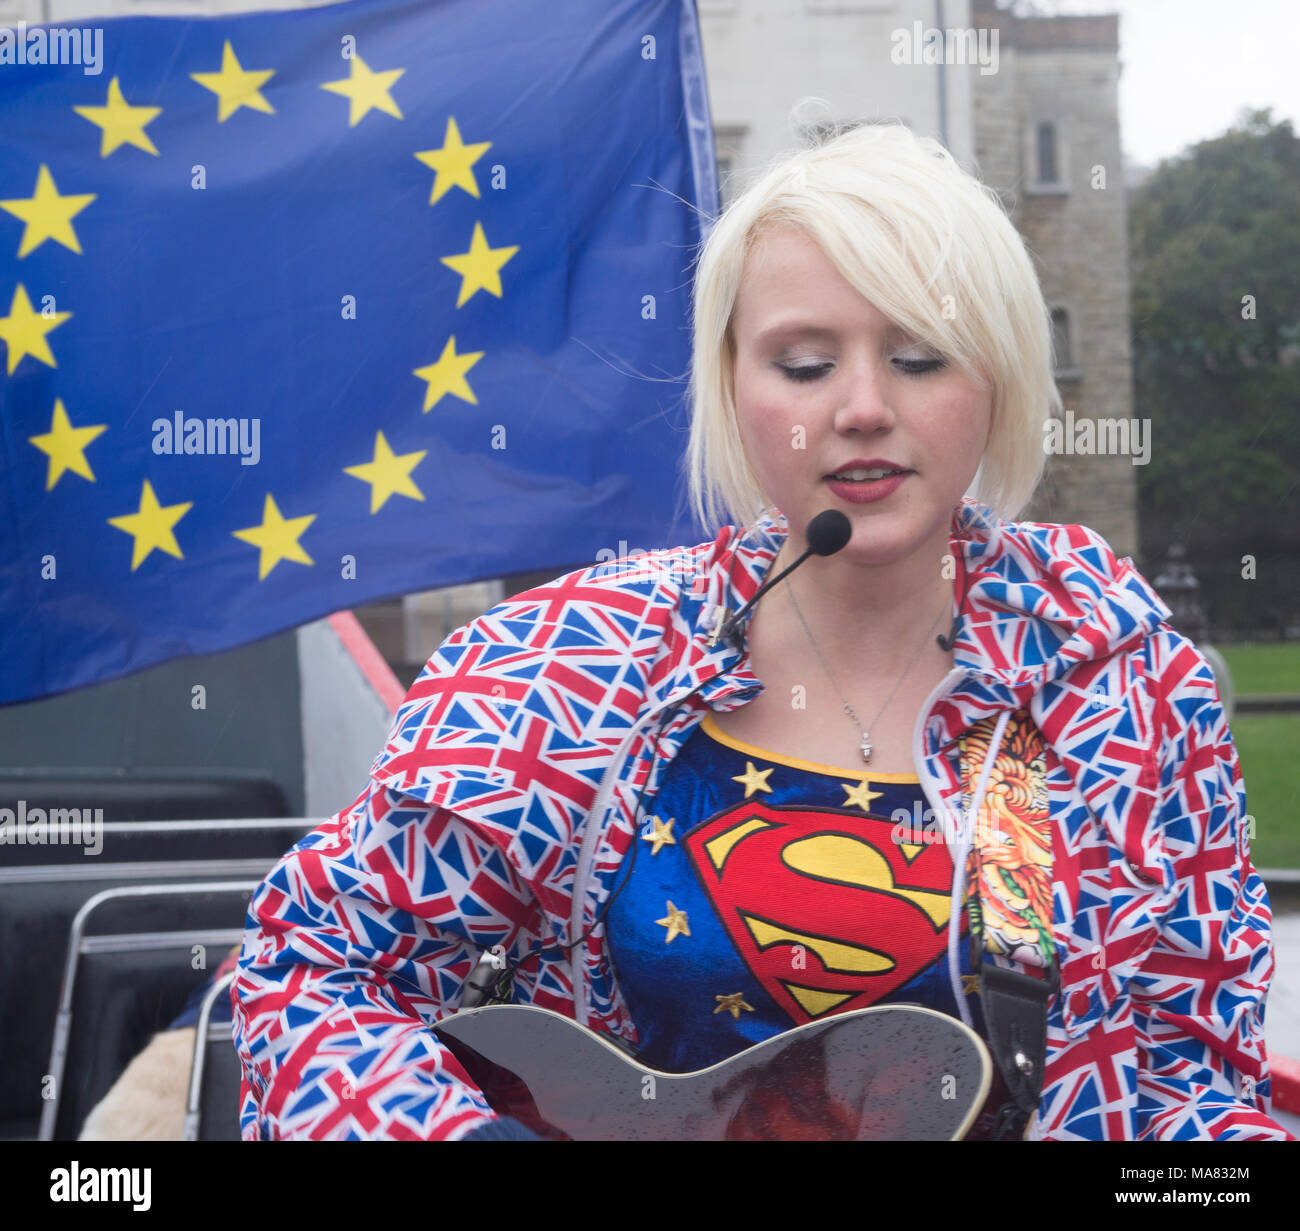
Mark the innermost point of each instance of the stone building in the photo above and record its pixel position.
(1047, 138)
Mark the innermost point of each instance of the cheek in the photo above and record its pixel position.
(766, 420)
(964, 420)
(773, 433)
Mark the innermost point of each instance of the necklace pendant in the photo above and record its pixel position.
(866, 747)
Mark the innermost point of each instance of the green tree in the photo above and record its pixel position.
(1215, 256)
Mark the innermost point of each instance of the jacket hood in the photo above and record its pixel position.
(1036, 599)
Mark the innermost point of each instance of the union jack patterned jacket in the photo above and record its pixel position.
(501, 805)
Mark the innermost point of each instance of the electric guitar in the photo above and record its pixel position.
(890, 1073)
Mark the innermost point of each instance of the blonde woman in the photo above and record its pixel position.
(953, 760)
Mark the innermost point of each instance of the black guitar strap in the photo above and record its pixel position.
(1015, 1016)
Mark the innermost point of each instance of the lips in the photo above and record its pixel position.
(866, 491)
(870, 463)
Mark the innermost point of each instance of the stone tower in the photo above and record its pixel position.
(1047, 139)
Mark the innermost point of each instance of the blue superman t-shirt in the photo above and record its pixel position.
(768, 892)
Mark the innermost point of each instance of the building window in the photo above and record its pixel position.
(1065, 366)
(1046, 151)
(1061, 338)
(1046, 154)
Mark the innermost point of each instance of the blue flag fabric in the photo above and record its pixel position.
(304, 309)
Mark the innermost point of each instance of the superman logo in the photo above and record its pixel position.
(826, 911)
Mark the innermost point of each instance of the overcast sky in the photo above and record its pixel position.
(1189, 66)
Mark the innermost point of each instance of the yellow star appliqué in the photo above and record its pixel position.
(754, 779)
(859, 795)
(151, 526)
(366, 90)
(453, 163)
(65, 446)
(675, 922)
(480, 267)
(662, 836)
(732, 1004)
(47, 215)
(448, 375)
(23, 330)
(120, 123)
(236, 86)
(276, 538)
(388, 474)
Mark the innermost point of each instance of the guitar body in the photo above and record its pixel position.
(891, 1073)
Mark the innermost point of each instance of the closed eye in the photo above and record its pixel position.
(909, 367)
(809, 371)
(919, 367)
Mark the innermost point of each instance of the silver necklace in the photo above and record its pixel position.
(848, 709)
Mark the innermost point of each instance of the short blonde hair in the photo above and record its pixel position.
(926, 244)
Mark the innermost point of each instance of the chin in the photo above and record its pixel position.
(884, 543)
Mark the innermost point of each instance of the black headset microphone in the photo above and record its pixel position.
(826, 534)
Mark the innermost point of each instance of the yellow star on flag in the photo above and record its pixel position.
(366, 90)
(732, 1004)
(480, 267)
(23, 330)
(121, 123)
(675, 922)
(236, 86)
(970, 984)
(448, 375)
(65, 445)
(47, 215)
(662, 836)
(151, 526)
(453, 163)
(858, 794)
(276, 538)
(754, 779)
(388, 474)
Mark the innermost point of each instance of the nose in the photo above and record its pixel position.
(864, 397)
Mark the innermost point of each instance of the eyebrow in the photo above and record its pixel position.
(796, 329)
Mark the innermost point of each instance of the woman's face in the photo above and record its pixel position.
(822, 379)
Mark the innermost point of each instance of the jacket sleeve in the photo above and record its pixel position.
(1198, 1000)
(360, 939)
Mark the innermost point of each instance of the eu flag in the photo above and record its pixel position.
(300, 310)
